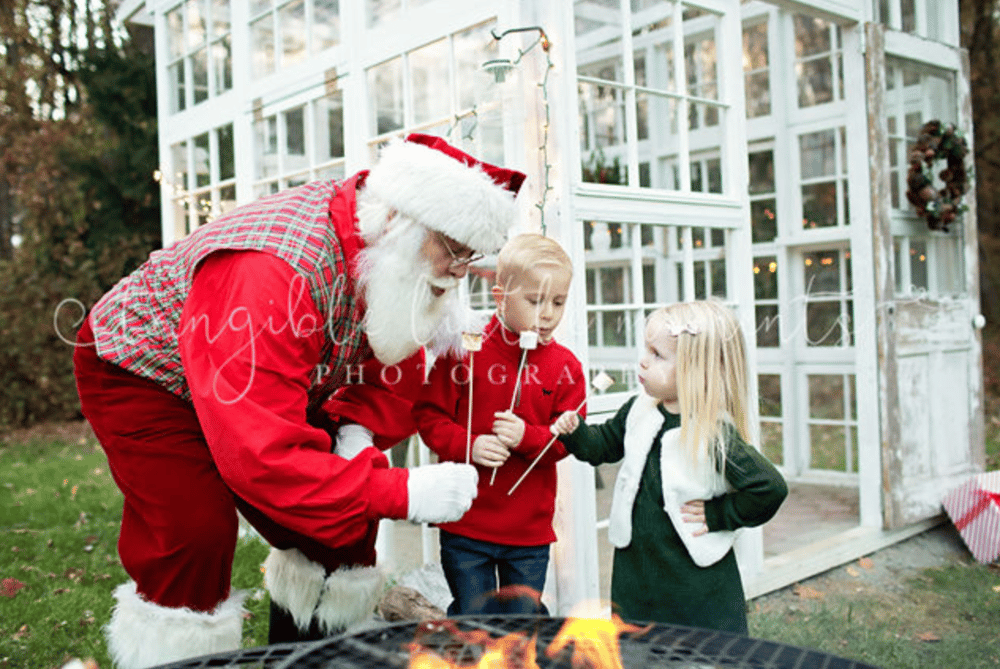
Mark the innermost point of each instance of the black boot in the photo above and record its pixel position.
(284, 630)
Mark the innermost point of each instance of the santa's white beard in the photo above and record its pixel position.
(402, 314)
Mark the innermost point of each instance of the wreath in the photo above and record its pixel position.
(938, 142)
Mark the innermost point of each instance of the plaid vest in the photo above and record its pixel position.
(310, 227)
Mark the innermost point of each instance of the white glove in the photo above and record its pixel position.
(441, 493)
(351, 440)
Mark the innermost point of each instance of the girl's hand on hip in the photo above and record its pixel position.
(694, 512)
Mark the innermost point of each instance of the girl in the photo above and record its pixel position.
(688, 477)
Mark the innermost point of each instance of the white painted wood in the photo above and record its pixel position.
(783, 570)
(850, 11)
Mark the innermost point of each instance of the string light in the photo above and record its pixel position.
(500, 67)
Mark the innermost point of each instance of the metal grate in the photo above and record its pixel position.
(260, 657)
(665, 646)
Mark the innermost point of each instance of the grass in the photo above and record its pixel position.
(59, 517)
(59, 529)
(942, 617)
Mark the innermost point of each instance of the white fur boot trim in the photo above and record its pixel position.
(142, 634)
(295, 583)
(350, 595)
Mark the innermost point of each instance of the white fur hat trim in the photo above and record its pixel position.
(443, 194)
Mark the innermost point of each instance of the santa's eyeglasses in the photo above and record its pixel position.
(463, 260)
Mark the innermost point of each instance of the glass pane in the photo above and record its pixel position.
(815, 82)
(761, 172)
(295, 131)
(613, 285)
(768, 329)
(602, 117)
(292, 23)
(197, 32)
(379, 11)
(772, 441)
(262, 45)
(703, 115)
(328, 137)
(179, 159)
(385, 86)
(758, 94)
(199, 74)
(220, 17)
(227, 199)
(826, 396)
(908, 15)
(822, 273)
(202, 161)
(700, 66)
(178, 90)
(700, 291)
(819, 205)
(763, 222)
(827, 447)
(258, 6)
(812, 36)
(765, 278)
(429, 82)
(717, 269)
(755, 55)
(616, 329)
(266, 145)
(326, 24)
(473, 48)
(769, 389)
(817, 151)
(599, 40)
(918, 264)
(222, 62)
(175, 33)
(823, 324)
(227, 163)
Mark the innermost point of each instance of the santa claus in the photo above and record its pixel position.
(204, 374)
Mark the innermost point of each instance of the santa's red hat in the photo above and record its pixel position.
(446, 189)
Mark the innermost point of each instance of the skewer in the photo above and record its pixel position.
(601, 382)
(471, 342)
(528, 342)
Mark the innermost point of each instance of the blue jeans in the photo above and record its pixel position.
(476, 569)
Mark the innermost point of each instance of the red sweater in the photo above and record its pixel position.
(251, 393)
(552, 382)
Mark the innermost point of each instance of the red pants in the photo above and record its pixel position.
(179, 522)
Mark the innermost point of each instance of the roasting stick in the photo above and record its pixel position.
(528, 342)
(601, 382)
(471, 342)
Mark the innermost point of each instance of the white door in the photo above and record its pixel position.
(929, 348)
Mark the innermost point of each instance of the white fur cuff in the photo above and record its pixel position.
(295, 583)
(142, 634)
(350, 595)
(300, 586)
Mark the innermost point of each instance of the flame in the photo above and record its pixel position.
(594, 641)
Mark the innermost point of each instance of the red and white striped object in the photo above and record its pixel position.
(974, 508)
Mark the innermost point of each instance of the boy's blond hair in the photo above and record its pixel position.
(527, 251)
(712, 383)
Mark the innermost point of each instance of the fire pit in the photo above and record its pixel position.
(466, 641)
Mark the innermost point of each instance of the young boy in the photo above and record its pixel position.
(503, 540)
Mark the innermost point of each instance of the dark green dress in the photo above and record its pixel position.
(653, 578)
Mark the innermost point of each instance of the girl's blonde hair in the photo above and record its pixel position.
(712, 388)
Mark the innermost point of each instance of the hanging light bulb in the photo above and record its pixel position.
(498, 67)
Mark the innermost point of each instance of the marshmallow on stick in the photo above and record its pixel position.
(471, 342)
(601, 382)
(528, 342)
